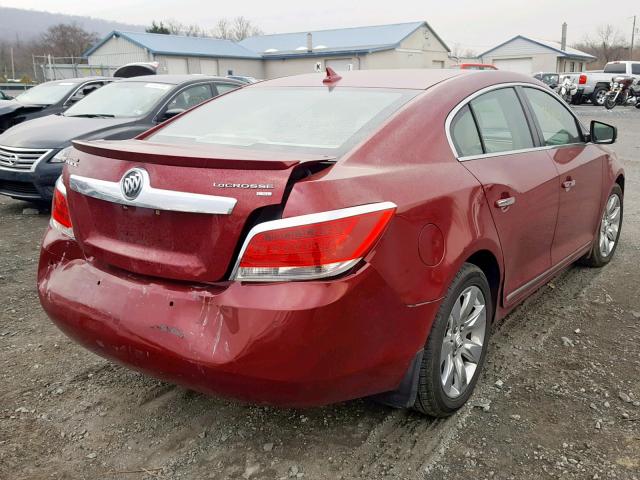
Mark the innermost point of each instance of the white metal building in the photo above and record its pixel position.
(527, 55)
(405, 45)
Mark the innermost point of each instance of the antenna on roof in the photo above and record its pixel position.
(332, 76)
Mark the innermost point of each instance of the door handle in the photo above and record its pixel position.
(568, 184)
(505, 203)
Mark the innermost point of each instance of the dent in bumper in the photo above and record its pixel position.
(296, 344)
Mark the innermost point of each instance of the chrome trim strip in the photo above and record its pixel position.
(305, 220)
(340, 267)
(45, 153)
(154, 198)
(549, 272)
(463, 103)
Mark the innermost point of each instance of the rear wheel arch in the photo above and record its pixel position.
(620, 182)
(486, 261)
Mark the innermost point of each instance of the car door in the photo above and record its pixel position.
(519, 180)
(579, 168)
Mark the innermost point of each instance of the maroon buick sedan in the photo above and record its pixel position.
(314, 239)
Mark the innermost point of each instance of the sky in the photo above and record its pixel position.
(469, 24)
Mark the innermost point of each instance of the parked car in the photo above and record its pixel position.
(551, 79)
(305, 241)
(594, 86)
(32, 154)
(475, 66)
(47, 99)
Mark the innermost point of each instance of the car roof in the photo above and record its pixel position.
(414, 79)
(177, 79)
(78, 80)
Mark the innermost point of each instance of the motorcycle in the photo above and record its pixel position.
(621, 91)
(567, 89)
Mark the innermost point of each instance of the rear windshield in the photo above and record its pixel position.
(615, 68)
(310, 119)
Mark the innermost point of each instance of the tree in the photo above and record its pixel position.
(457, 52)
(157, 28)
(607, 45)
(66, 40)
(236, 29)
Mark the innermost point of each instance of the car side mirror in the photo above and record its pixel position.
(172, 112)
(603, 134)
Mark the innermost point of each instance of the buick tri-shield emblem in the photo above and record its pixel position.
(131, 183)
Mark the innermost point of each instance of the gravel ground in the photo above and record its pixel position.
(560, 397)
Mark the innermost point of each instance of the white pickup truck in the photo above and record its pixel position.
(595, 85)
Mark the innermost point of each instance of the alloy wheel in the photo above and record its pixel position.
(610, 225)
(463, 342)
(600, 95)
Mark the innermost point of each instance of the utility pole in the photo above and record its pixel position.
(13, 67)
(633, 37)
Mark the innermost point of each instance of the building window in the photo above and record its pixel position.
(229, 72)
(573, 66)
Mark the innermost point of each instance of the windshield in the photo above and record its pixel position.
(46, 93)
(309, 119)
(120, 100)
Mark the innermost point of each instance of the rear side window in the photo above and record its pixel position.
(558, 126)
(225, 87)
(465, 134)
(615, 68)
(635, 68)
(501, 120)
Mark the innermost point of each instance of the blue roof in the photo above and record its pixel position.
(555, 46)
(340, 40)
(158, 43)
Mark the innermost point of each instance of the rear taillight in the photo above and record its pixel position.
(582, 79)
(312, 246)
(60, 218)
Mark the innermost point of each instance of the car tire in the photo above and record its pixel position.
(598, 95)
(452, 349)
(606, 240)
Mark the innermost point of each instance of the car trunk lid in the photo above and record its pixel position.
(167, 239)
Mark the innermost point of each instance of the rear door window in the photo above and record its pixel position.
(635, 68)
(558, 126)
(465, 134)
(502, 122)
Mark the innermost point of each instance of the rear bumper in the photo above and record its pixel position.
(290, 344)
(30, 185)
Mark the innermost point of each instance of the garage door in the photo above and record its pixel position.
(208, 66)
(343, 64)
(520, 65)
(177, 66)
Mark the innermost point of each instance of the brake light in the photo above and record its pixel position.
(60, 218)
(582, 79)
(312, 246)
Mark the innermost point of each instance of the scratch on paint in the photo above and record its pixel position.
(216, 340)
(172, 330)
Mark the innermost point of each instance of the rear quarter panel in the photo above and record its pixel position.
(409, 162)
